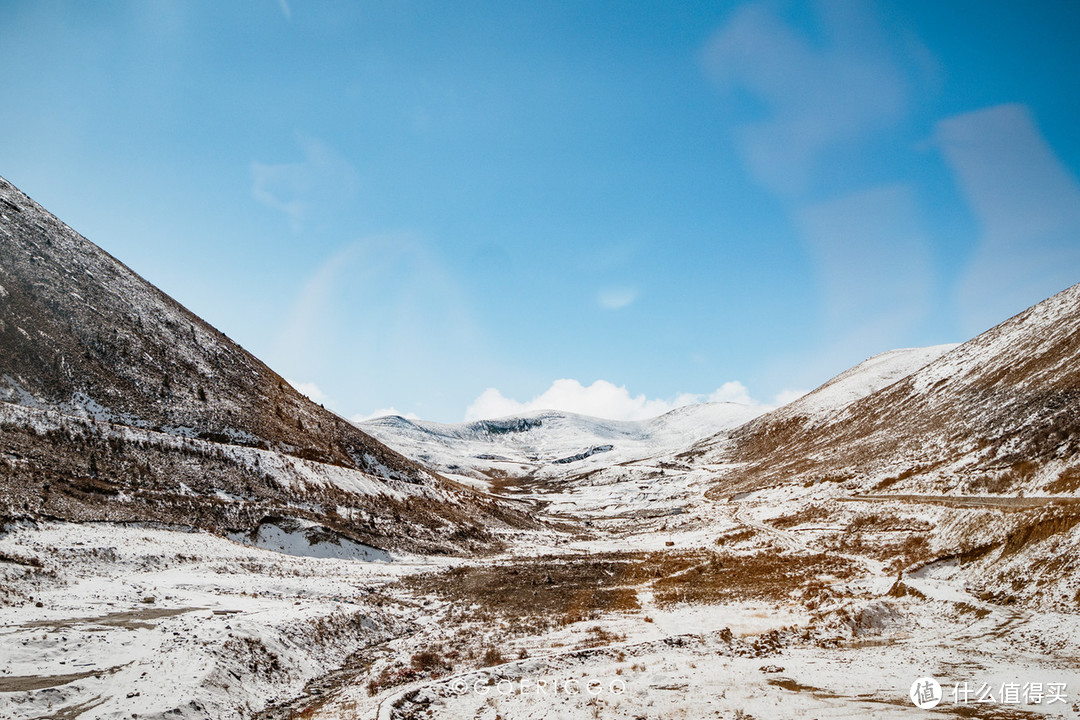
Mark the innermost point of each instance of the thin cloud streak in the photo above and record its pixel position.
(818, 98)
(873, 264)
(828, 92)
(616, 298)
(388, 305)
(322, 178)
(1027, 204)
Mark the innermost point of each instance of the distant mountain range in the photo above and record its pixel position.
(999, 414)
(549, 443)
(546, 443)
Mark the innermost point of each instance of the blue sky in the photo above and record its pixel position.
(462, 209)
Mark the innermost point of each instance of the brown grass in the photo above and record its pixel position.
(910, 472)
(1052, 521)
(1068, 481)
(599, 637)
(546, 592)
(492, 656)
(809, 514)
(913, 549)
(736, 536)
(716, 578)
(877, 522)
(430, 660)
(19, 559)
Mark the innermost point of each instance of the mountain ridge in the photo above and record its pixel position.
(997, 412)
(118, 347)
(532, 443)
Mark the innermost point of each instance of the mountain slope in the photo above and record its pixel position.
(818, 405)
(81, 333)
(998, 413)
(123, 387)
(867, 377)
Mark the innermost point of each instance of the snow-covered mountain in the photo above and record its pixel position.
(117, 403)
(820, 404)
(867, 377)
(547, 443)
(998, 413)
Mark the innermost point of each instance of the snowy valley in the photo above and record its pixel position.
(183, 535)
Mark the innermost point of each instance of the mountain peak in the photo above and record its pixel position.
(132, 387)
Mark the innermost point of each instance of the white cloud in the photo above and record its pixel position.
(285, 9)
(323, 176)
(602, 399)
(312, 390)
(383, 412)
(616, 298)
(732, 391)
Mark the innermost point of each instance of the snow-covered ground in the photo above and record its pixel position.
(162, 623)
(109, 621)
(853, 649)
(642, 593)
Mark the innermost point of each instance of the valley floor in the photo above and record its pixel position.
(644, 599)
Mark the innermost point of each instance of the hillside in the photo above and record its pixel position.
(120, 404)
(867, 377)
(996, 414)
(819, 405)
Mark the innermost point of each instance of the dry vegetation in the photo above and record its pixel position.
(539, 593)
(717, 578)
(1068, 481)
(85, 471)
(809, 514)
(1052, 521)
(550, 591)
(496, 610)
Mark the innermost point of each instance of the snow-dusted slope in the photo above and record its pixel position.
(548, 442)
(830, 398)
(119, 404)
(83, 334)
(996, 414)
(867, 377)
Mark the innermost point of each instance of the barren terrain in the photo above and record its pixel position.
(785, 602)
